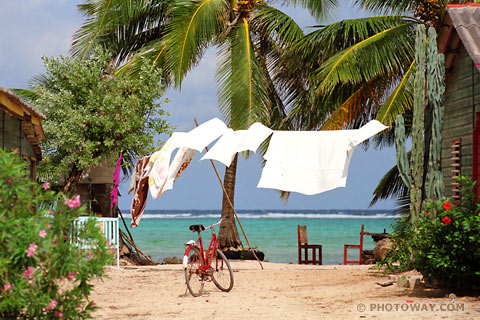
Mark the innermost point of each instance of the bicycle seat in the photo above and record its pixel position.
(197, 227)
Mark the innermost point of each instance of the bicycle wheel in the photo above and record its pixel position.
(193, 275)
(222, 274)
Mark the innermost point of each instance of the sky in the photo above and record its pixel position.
(30, 29)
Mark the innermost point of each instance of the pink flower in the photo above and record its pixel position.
(10, 180)
(71, 275)
(7, 287)
(31, 250)
(109, 243)
(28, 272)
(58, 314)
(93, 304)
(46, 186)
(51, 305)
(48, 226)
(73, 203)
(42, 233)
(89, 254)
(478, 65)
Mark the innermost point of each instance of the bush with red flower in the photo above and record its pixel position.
(42, 274)
(443, 245)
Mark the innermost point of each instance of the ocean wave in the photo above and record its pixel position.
(275, 215)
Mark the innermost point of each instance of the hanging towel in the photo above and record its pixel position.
(312, 162)
(233, 142)
(163, 172)
(139, 199)
(177, 166)
(158, 167)
(116, 180)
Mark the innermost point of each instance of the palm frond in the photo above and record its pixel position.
(393, 6)
(390, 186)
(383, 53)
(25, 94)
(349, 110)
(319, 9)
(122, 26)
(193, 26)
(153, 53)
(241, 83)
(85, 37)
(275, 24)
(400, 100)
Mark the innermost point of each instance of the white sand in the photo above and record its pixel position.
(280, 291)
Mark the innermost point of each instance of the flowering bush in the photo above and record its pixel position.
(42, 274)
(444, 244)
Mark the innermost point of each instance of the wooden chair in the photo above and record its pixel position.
(354, 246)
(303, 244)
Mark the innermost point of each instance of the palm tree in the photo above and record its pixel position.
(249, 36)
(364, 68)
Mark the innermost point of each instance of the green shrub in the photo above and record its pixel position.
(42, 274)
(444, 244)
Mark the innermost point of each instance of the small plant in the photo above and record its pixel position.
(444, 246)
(399, 257)
(42, 274)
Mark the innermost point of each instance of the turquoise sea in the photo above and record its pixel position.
(162, 233)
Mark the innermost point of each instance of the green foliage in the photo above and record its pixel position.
(443, 247)
(42, 274)
(93, 115)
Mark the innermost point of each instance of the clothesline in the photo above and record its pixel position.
(307, 162)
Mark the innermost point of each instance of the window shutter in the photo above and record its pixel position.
(456, 168)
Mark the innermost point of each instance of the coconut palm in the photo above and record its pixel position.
(375, 58)
(249, 36)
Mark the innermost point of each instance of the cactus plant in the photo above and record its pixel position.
(422, 186)
(434, 187)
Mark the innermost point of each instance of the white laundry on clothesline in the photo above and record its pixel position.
(312, 162)
(162, 172)
(233, 142)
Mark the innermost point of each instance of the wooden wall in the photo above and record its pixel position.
(12, 135)
(462, 101)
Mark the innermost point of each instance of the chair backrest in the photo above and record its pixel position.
(110, 229)
(361, 237)
(108, 226)
(302, 234)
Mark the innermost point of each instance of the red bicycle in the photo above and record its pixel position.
(201, 266)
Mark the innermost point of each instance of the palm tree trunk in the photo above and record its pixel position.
(228, 234)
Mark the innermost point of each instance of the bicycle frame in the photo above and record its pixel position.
(207, 256)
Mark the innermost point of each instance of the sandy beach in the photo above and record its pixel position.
(280, 291)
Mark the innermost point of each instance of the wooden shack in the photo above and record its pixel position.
(459, 41)
(95, 186)
(21, 129)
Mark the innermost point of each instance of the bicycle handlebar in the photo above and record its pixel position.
(216, 223)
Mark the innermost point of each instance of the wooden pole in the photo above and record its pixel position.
(132, 243)
(231, 204)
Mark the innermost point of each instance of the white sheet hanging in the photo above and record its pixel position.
(233, 142)
(204, 134)
(162, 172)
(312, 162)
